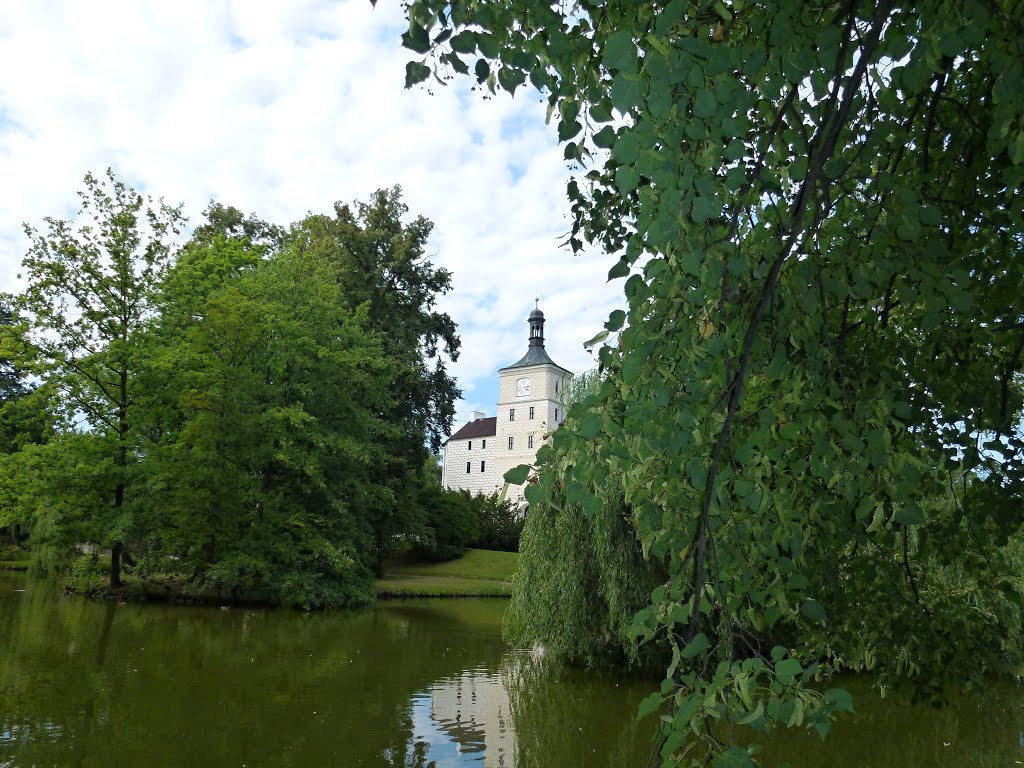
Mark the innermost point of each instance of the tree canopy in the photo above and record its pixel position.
(248, 413)
(811, 414)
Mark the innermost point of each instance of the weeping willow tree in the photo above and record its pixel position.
(585, 576)
(813, 409)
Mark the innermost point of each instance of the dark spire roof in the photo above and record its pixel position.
(535, 353)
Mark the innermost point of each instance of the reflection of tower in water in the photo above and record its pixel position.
(473, 710)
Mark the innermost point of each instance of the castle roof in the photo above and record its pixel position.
(535, 355)
(487, 427)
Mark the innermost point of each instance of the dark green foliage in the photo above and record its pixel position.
(501, 524)
(380, 261)
(813, 404)
(27, 419)
(451, 522)
(12, 384)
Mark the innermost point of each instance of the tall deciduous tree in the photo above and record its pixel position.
(90, 284)
(817, 207)
(381, 262)
(265, 391)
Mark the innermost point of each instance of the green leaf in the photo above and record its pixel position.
(591, 504)
(788, 668)
(627, 178)
(456, 63)
(651, 704)
(518, 475)
(415, 72)
(464, 42)
(705, 208)
(416, 38)
(599, 113)
(909, 514)
(568, 127)
(705, 105)
(590, 425)
(482, 70)
(621, 269)
(626, 149)
(510, 78)
(698, 645)
(615, 320)
(605, 138)
(620, 53)
(812, 610)
(627, 92)
(840, 699)
(574, 491)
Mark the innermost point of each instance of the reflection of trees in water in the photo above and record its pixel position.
(203, 687)
(565, 716)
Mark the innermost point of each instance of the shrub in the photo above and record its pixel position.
(451, 519)
(501, 524)
(13, 552)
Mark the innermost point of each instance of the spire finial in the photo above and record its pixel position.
(536, 301)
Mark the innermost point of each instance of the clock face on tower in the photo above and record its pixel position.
(523, 388)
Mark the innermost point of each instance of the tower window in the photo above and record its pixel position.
(510, 443)
(469, 467)
(484, 441)
(556, 415)
(481, 466)
(529, 441)
(471, 445)
(511, 414)
(531, 411)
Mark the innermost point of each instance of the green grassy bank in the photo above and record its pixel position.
(478, 573)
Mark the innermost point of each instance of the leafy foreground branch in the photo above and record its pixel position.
(809, 429)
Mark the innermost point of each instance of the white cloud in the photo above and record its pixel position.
(284, 108)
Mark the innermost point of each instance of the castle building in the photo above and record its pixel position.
(531, 403)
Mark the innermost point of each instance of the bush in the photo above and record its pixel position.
(501, 524)
(452, 522)
(13, 552)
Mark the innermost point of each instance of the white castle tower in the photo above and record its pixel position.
(531, 399)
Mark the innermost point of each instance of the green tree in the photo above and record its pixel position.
(817, 209)
(381, 262)
(89, 288)
(26, 420)
(266, 392)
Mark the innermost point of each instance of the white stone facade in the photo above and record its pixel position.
(462, 465)
(531, 404)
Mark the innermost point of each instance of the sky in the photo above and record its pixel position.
(282, 108)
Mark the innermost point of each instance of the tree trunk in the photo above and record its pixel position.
(121, 461)
(115, 565)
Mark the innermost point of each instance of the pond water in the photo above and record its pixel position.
(409, 683)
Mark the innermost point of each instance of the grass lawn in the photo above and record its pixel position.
(478, 573)
(15, 565)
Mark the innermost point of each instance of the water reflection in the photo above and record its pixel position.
(473, 710)
(465, 719)
(406, 685)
